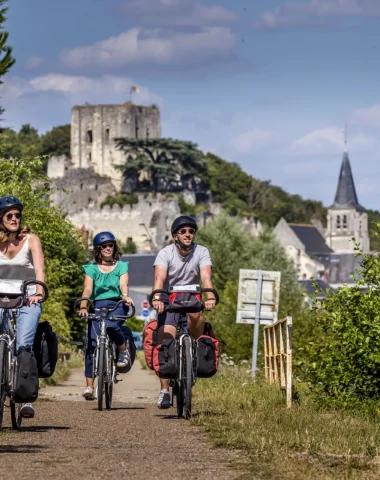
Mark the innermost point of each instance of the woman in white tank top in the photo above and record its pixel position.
(21, 258)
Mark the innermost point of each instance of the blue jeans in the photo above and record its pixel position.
(113, 330)
(27, 321)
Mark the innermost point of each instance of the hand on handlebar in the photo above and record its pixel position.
(33, 300)
(128, 301)
(210, 304)
(158, 305)
(83, 312)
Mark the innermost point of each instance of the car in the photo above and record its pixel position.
(137, 337)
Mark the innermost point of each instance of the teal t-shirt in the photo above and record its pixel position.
(106, 285)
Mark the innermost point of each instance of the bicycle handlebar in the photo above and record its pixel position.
(36, 282)
(107, 309)
(203, 290)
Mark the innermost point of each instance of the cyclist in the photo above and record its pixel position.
(105, 282)
(21, 258)
(181, 263)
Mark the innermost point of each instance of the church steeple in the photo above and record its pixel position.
(345, 196)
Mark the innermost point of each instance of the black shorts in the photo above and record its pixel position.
(168, 318)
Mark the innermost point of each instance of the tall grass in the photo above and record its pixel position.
(301, 442)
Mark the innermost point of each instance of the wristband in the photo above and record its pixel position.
(125, 295)
(207, 299)
(37, 295)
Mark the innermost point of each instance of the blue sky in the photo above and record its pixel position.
(268, 84)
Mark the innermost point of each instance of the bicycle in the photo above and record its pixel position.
(8, 341)
(186, 348)
(105, 355)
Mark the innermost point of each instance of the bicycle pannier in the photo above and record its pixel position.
(207, 356)
(180, 302)
(26, 387)
(165, 359)
(128, 335)
(45, 349)
(150, 341)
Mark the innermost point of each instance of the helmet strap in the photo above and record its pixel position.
(183, 247)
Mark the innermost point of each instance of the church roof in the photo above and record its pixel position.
(345, 196)
(312, 238)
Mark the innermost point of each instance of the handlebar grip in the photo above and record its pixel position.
(154, 293)
(212, 290)
(36, 282)
(79, 300)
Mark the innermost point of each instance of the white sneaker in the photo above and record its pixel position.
(89, 393)
(164, 399)
(26, 410)
(124, 359)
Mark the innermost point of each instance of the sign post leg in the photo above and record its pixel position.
(257, 322)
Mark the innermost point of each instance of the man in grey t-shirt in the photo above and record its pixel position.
(181, 263)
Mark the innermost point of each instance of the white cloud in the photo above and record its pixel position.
(330, 141)
(176, 13)
(254, 140)
(139, 46)
(367, 116)
(33, 62)
(316, 12)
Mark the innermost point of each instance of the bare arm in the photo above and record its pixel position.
(206, 279)
(87, 292)
(160, 274)
(35, 248)
(124, 281)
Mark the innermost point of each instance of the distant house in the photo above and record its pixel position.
(311, 286)
(329, 254)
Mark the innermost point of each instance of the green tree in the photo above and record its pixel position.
(165, 162)
(29, 141)
(6, 59)
(56, 141)
(232, 249)
(61, 244)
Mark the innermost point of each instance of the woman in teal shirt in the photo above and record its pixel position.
(105, 282)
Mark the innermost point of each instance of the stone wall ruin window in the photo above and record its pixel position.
(89, 156)
(107, 134)
(338, 222)
(89, 136)
(147, 132)
(344, 221)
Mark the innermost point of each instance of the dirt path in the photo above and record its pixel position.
(70, 439)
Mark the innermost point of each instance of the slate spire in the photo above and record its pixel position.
(345, 196)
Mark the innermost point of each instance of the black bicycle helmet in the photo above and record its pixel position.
(8, 202)
(103, 237)
(181, 221)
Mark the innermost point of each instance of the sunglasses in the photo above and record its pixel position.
(103, 246)
(9, 216)
(185, 230)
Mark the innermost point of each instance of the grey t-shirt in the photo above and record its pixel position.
(183, 270)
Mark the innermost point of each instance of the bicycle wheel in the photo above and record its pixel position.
(15, 415)
(101, 355)
(3, 379)
(178, 393)
(108, 385)
(187, 376)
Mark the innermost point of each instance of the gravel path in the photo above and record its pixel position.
(70, 439)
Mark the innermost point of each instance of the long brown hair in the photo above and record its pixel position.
(5, 234)
(96, 253)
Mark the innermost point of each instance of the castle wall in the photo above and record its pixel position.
(94, 128)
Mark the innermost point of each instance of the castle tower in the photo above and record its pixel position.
(346, 218)
(94, 128)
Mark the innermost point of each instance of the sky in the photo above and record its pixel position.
(268, 84)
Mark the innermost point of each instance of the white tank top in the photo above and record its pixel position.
(19, 267)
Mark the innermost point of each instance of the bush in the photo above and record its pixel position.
(121, 199)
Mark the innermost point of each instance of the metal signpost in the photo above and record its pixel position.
(258, 302)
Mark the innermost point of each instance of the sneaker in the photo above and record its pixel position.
(164, 399)
(26, 410)
(124, 359)
(89, 393)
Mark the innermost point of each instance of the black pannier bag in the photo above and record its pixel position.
(207, 356)
(165, 359)
(128, 335)
(45, 349)
(188, 302)
(26, 387)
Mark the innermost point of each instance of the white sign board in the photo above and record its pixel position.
(249, 289)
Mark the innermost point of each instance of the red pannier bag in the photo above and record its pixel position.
(150, 341)
(207, 356)
(165, 359)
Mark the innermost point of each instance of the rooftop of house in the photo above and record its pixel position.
(310, 286)
(312, 238)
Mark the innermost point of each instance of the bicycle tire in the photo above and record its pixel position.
(101, 354)
(3, 380)
(188, 376)
(178, 393)
(15, 415)
(109, 384)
